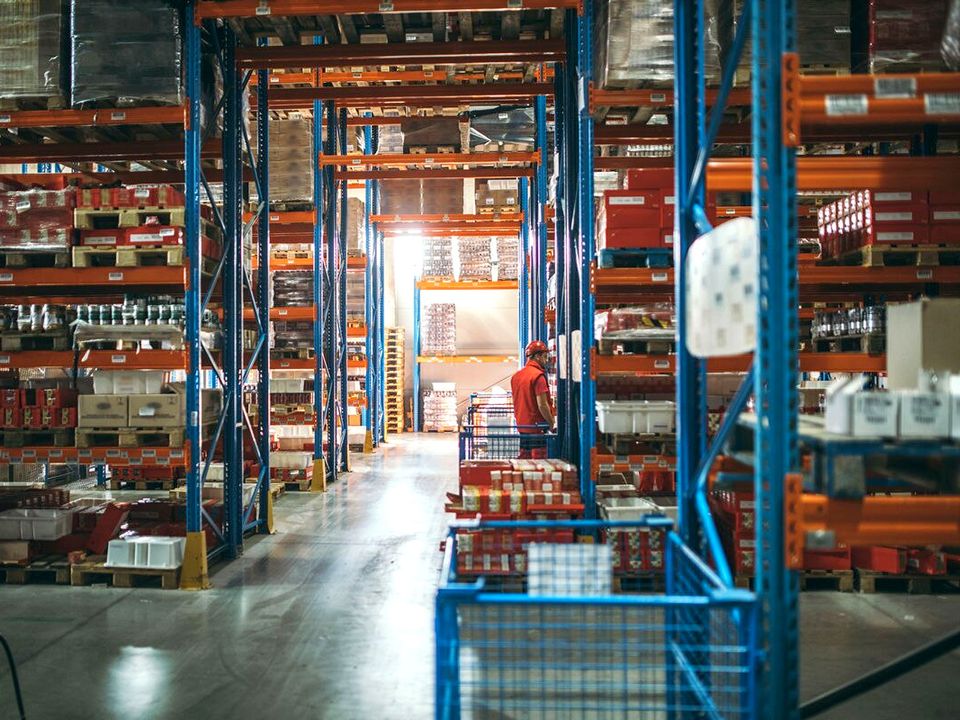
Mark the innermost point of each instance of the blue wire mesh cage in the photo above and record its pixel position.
(568, 647)
(506, 441)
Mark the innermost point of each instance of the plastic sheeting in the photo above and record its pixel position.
(31, 49)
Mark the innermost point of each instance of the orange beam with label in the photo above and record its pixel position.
(100, 277)
(96, 359)
(442, 174)
(666, 364)
(453, 229)
(467, 285)
(93, 118)
(114, 456)
(655, 98)
(293, 8)
(465, 359)
(484, 219)
(439, 159)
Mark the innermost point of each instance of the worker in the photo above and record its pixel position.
(532, 405)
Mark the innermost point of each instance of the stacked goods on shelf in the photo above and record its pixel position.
(292, 468)
(291, 164)
(497, 196)
(440, 408)
(474, 258)
(633, 43)
(389, 140)
(138, 409)
(511, 490)
(508, 258)
(400, 197)
(502, 131)
(38, 412)
(861, 328)
(437, 134)
(885, 221)
(291, 402)
(395, 369)
(439, 333)
(293, 288)
(437, 258)
(32, 34)
(355, 299)
(356, 236)
(125, 52)
(901, 35)
(442, 197)
(292, 339)
(640, 551)
(37, 227)
(950, 47)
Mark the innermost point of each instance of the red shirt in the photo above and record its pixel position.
(526, 384)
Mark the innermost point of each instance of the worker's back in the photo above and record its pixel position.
(523, 386)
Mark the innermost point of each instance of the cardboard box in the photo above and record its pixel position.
(880, 558)
(924, 414)
(127, 382)
(922, 335)
(103, 411)
(156, 410)
(851, 410)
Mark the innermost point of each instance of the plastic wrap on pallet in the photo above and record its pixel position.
(293, 288)
(37, 219)
(509, 129)
(902, 35)
(437, 258)
(32, 35)
(439, 329)
(497, 195)
(950, 47)
(442, 197)
(435, 132)
(635, 322)
(508, 258)
(440, 410)
(356, 237)
(474, 258)
(291, 161)
(389, 139)
(400, 197)
(125, 52)
(633, 42)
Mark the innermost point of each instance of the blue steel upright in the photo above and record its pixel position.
(524, 280)
(540, 212)
(564, 404)
(264, 293)
(416, 356)
(331, 296)
(370, 299)
(319, 296)
(587, 418)
(341, 264)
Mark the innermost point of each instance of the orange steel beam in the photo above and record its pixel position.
(407, 159)
(635, 134)
(394, 76)
(460, 218)
(102, 151)
(382, 96)
(500, 52)
(655, 98)
(365, 121)
(96, 118)
(451, 232)
(884, 520)
(443, 174)
(809, 362)
(292, 8)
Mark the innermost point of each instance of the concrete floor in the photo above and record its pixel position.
(333, 618)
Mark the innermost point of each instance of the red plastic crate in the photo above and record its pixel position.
(880, 558)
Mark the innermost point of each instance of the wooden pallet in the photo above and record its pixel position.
(871, 344)
(825, 70)
(50, 570)
(301, 485)
(170, 256)
(840, 580)
(900, 256)
(503, 210)
(425, 149)
(47, 437)
(37, 102)
(92, 572)
(142, 485)
(35, 258)
(19, 341)
(869, 581)
(443, 429)
(109, 218)
(130, 437)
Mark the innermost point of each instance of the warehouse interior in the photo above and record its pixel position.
(283, 282)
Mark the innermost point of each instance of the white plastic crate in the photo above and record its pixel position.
(148, 552)
(636, 417)
(35, 524)
(628, 508)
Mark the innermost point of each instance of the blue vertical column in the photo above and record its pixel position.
(331, 296)
(588, 419)
(381, 318)
(232, 305)
(416, 357)
(342, 294)
(264, 294)
(370, 298)
(691, 378)
(319, 296)
(564, 421)
(540, 217)
(774, 198)
(194, 574)
(524, 304)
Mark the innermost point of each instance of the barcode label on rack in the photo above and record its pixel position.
(658, 97)
(118, 359)
(941, 103)
(115, 276)
(946, 215)
(263, 8)
(142, 192)
(893, 197)
(6, 277)
(4, 359)
(661, 364)
(628, 200)
(894, 236)
(118, 116)
(926, 274)
(894, 216)
(5, 118)
(847, 104)
(659, 277)
(891, 87)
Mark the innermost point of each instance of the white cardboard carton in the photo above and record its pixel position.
(924, 414)
(851, 410)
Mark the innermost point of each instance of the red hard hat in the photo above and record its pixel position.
(535, 347)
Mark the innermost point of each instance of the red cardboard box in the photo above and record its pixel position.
(632, 238)
(826, 559)
(650, 179)
(879, 558)
(926, 562)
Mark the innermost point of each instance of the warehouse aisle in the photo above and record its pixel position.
(332, 618)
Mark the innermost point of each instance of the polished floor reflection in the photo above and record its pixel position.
(332, 618)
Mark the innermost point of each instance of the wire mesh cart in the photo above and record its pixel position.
(563, 644)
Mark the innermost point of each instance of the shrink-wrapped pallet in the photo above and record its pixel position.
(439, 329)
(400, 197)
(508, 258)
(291, 161)
(431, 133)
(38, 220)
(509, 130)
(293, 288)
(32, 36)
(126, 53)
(356, 237)
(474, 258)
(437, 258)
(904, 35)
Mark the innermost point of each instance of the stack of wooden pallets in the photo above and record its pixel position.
(393, 380)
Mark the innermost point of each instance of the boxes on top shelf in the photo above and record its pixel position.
(33, 51)
(902, 35)
(497, 196)
(37, 220)
(923, 335)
